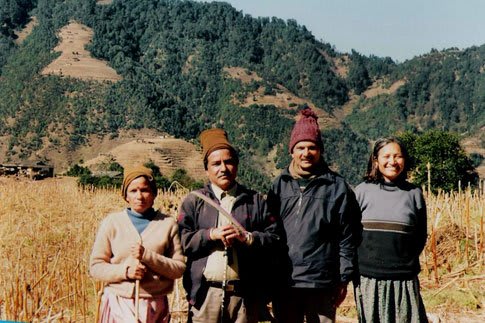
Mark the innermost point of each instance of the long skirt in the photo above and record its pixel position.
(389, 301)
(117, 309)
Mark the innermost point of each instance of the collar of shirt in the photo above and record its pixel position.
(220, 193)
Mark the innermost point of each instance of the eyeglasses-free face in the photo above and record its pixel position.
(139, 195)
(390, 161)
(306, 155)
(222, 168)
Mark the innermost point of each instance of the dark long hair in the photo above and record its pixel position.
(373, 174)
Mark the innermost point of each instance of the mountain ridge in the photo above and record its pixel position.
(178, 63)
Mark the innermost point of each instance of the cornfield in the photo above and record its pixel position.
(48, 227)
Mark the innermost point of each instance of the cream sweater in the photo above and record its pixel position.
(163, 256)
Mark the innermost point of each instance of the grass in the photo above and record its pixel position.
(48, 227)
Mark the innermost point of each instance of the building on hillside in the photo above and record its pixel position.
(34, 171)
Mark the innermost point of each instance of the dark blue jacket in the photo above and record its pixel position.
(322, 226)
(250, 210)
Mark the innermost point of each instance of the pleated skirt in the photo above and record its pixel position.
(389, 301)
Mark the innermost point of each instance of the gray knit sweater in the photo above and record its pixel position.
(394, 221)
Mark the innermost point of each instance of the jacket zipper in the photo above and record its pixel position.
(299, 207)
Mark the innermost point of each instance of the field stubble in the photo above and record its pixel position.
(48, 227)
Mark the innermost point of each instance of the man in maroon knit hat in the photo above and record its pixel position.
(322, 223)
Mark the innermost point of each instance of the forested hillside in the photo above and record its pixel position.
(444, 90)
(171, 57)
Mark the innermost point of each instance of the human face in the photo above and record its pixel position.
(306, 155)
(390, 161)
(222, 168)
(139, 195)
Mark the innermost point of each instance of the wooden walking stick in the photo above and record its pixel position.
(137, 299)
(137, 296)
(224, 284)
(99, 295)
(226, 214)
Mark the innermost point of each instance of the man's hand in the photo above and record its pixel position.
(227, 234)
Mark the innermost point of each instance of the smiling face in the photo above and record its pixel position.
(306, 155)
(390, 161)
(222, 168)
(139, 195)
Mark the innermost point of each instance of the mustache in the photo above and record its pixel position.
(224, 174)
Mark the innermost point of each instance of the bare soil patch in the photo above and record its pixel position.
(242, 74)
(75, 61)
(346, 109)
(377, 88)
(341, 65)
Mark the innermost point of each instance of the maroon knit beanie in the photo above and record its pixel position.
(306, 129)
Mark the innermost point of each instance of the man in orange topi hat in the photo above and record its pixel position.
(228, 236)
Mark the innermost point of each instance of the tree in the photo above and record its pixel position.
(181, 176)
(162, 181)
(449, 163)
(358, 77)
(116, 167)
(78, 170)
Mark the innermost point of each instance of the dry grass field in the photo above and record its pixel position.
(47, 228)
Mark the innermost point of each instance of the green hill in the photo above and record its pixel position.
(173, 57)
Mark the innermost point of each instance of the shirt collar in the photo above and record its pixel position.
(219, 191)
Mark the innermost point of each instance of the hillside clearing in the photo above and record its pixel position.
(75, 61)
(377, 88)
(167, 153)
(282, 98)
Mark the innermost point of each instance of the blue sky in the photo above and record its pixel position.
(400, 29)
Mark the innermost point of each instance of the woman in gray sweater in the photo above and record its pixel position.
(394, 221)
